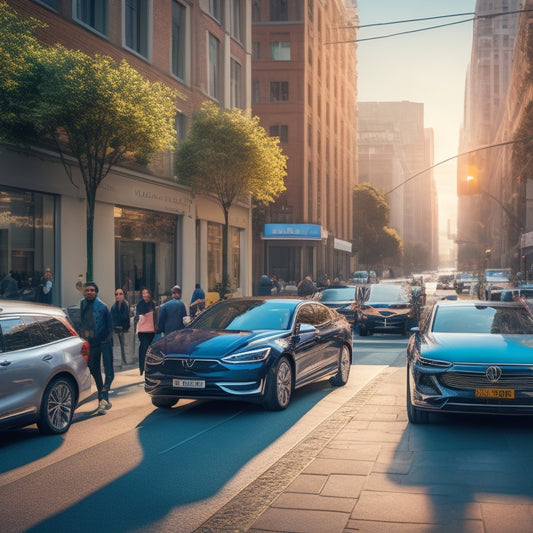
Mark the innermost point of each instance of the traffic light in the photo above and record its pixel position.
(468, 183)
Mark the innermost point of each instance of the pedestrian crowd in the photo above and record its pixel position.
(99, 324)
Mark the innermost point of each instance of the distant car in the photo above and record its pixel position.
(463, 281)
(386, 308)
(494, 281)
(43, 367)
(471, 357)
(445, 282)
(341, 298)
(524, 291)
(364, 276)
(250, 349)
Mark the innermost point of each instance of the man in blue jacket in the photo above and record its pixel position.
(97, 329)
(171, 313)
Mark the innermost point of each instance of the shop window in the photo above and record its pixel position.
(214, 257)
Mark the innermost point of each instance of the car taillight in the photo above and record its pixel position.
(85, 351)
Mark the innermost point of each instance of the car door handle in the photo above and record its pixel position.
(5, 363)
(47, 357)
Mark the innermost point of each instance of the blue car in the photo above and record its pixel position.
(251, 349)
(341, 298)
(471, 357)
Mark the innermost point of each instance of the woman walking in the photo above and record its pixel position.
(145, 320)
(120, 315)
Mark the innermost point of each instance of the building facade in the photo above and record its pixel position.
(149, 230)
(394, 152)
(304, 91)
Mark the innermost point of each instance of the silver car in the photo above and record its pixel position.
(43, 367)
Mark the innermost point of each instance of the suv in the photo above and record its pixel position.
(43, 367)
(495, 280)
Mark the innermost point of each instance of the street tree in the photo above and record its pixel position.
(374, 239)
(89, 108)
(227, 154)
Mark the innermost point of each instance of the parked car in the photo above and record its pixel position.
(462, 282)
(494, 281)
(445, 281)
(385, 308)
(43, 367)
(364, 276)
(250, 349)
(471, 357)
(341, 298)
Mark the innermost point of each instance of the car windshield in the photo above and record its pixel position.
(498, 275)
(385, 293)
(339, 294)
(483, 319)
(247, 315)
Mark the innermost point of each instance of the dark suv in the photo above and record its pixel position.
(43, 367)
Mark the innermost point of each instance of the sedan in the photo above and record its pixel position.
(471, 357)
(386, 308)
(43, 367)
(340, 298)
(251, 349)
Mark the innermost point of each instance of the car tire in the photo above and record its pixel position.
(343, 371)
(279, 386)
(57, 407)
(163, 402)
(363, 332)
(414, 415)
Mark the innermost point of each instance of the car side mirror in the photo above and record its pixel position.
(304, 328)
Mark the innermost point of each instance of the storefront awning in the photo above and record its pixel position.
(307, 232)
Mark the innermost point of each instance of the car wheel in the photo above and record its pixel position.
(414, 415)
(57, 407)
(363, 332)
(343, 372)
(164, 402)
(279, 386)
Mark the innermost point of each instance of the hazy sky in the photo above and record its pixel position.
(427, 67)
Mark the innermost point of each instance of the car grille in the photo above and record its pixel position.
(473, 380)
(189, 366)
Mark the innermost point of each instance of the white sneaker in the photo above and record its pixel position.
(101, 407)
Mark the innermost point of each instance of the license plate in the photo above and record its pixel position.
(499, 394)
(189, 383)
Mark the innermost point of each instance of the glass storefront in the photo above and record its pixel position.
(145, 252)
(27, 242)
(214, 257)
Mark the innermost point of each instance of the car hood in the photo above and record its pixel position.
(209, 344)
(479, 348)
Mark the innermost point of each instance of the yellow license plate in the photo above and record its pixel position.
(498, 394)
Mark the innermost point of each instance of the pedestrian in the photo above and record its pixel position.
(145, 320)
(276, 283)
(120, 316)
(171, 313)
(306, 287)
(197, 301)
(9, 287)
(265, 286)
(44, 292)
(97, 329)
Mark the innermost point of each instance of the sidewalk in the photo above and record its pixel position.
(365, 469)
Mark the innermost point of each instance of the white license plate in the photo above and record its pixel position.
(189, 383)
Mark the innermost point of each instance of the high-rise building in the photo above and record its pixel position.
(394, 151)
(304, 91)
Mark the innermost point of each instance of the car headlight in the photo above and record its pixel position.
(252, 356)
(432, 363)
(153, 357)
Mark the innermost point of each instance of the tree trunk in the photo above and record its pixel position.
(91, 199)
(225, 285)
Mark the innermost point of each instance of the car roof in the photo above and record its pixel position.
(477, 303)
(27, 308)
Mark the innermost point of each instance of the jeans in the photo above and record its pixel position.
(144, 341)
(97, 353)
(120, 334)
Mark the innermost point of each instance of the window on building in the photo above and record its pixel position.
(181, 126)
(256, 11)
(279, 91)
(49, 3)
(214, 68)
(179, 43)
(279, 10)
(236, 84)
(92, 13)
(137, 24)
(255, 92)
(216, 9)
(256, 50)
(281, 131)
(281, 50)
(236, 19)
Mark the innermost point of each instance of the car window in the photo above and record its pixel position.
(53, 329)
(15, 334)
(313, 314)
(387, 294)
(344, 293)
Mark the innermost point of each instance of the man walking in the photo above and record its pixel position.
(97, 328)
(171, 313)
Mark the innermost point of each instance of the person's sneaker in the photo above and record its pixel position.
(102, 407)
(106, 404)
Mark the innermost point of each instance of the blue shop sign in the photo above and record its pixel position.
(293, 231)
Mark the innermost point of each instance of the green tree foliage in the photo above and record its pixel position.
(374, 239)
(90, 108)
(229, 155)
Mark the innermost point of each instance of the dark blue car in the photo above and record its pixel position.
(471, 357)
(251, 349)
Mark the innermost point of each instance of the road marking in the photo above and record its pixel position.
(202, 432)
